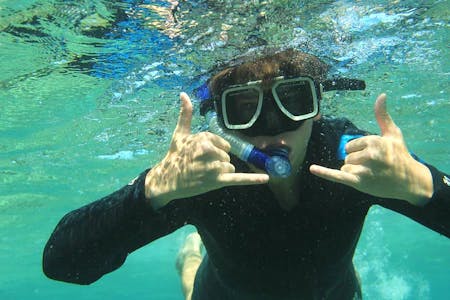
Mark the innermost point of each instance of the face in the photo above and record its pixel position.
(271, 102)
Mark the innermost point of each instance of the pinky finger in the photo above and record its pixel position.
(334, 175)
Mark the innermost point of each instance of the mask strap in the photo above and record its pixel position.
(343, 84)
(339, 83)
(204, 95)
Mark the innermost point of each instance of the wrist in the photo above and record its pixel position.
(156, 190)
(421, 187)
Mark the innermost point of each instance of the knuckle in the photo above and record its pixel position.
(208, 135)
(227, 158)
(205, 135)
(345, 168)
(373, 140)
(208, 151)
(205, 147)
(348, 159)
(398, 131)
(372, 154)
(216, 167)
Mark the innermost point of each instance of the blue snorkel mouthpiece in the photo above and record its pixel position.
(278, 163)
(275, 163)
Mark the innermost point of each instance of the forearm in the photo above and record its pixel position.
(435, 213)
(441, 188)
(95, 239)
(437, 208)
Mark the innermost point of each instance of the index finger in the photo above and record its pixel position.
(243, 178)
(220, 142)
(357, 144)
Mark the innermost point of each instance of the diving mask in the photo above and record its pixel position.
(256, 110)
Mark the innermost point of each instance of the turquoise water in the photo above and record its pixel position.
(89, 98)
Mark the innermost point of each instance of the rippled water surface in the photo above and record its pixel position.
(89, 98)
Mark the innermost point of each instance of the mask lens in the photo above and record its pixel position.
(296, 97)
(241, 107)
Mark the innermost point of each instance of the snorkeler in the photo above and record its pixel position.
(267, 235)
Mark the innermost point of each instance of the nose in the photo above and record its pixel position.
(270, 114)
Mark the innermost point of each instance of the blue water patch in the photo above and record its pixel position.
(129, 41)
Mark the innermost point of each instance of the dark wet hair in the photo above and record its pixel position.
(288, 62)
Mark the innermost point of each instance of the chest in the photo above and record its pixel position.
(246, 219)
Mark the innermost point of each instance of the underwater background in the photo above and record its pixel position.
(89, 98)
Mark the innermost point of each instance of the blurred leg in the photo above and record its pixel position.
(188, 261)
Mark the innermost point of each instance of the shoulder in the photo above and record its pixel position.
(328, 134)
(339, 126)
(332, 128)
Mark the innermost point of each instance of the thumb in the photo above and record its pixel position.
(185, 117)
(384, 120)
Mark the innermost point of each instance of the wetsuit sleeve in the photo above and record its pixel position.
(96, 239)
(436, 213)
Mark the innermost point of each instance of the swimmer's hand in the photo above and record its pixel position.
(382, 165)
(194, 164)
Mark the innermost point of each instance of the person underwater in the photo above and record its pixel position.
(284, 235)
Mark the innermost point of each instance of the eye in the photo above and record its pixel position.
(242, 105)
(247, 105)
(247, 108)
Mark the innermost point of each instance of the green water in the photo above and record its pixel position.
(69, 134)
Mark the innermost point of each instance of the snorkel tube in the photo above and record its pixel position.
(277, 165)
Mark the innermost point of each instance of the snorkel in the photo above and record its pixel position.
(276, 163)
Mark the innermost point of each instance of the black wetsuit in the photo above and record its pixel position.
(256, 250)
